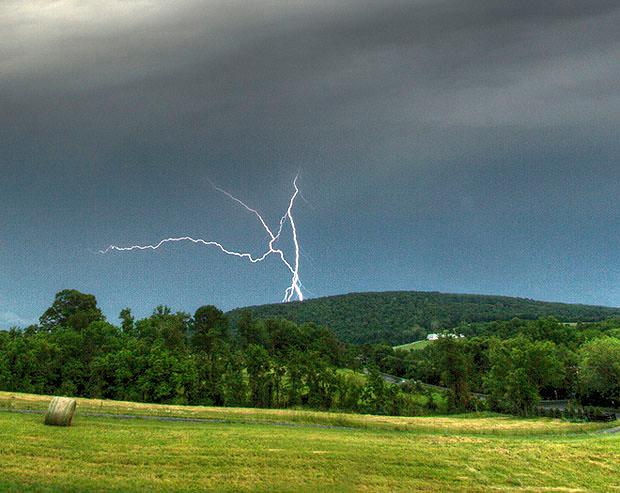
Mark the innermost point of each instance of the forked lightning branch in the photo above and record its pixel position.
(292, 265)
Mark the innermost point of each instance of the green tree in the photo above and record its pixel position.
(210, 327)
(210, 344)
(454, 367)
(250, 331)
(520, 368)
(373, 398)
(234, 385)
(258, 366)
(599, 371)
(168, 377)
(127, 321)
(72, 309)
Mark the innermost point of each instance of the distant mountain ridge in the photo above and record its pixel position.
(398, 317)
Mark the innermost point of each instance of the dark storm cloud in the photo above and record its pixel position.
(302, 71)
(479, 139)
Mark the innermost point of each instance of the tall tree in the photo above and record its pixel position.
(454, 370)
(258, 366)
(210, 327)
(127, 321)
(71, 309)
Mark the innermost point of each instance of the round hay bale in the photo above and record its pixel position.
(60, 411)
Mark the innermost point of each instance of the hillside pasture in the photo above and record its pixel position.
(414, 346)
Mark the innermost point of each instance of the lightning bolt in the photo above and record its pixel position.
(295, 289)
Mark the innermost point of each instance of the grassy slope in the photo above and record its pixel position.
(389, 316)
(413, 346)
(434, 454)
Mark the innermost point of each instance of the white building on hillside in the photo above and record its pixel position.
(434, 337)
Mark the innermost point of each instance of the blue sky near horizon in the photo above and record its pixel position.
(456, 146)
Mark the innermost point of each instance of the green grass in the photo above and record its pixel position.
(413, 345)
(248, 453)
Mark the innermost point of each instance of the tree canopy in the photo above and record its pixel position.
(71, 309)
(405, 316)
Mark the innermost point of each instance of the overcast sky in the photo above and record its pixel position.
(457, 145)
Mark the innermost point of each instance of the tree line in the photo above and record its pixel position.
(180, 358)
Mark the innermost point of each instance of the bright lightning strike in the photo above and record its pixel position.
(294, 290)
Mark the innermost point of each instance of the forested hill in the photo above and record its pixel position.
(402, 316)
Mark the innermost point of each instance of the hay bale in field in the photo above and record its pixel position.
(60, 411)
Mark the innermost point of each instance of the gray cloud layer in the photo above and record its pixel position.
(303, 71)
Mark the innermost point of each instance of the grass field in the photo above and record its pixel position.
(266, 450)
(414, 345)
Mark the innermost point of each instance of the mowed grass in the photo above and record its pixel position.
(486, 423)
(431, 454)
